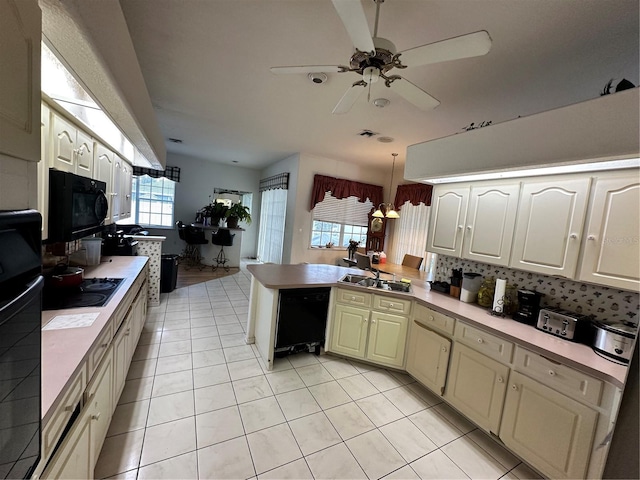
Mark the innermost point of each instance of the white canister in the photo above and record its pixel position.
(470, 286)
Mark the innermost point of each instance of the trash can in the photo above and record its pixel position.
(168, 272)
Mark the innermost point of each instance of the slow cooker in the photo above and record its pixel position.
(614, 339)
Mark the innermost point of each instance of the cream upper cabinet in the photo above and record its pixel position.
(387, 338)
(103, 171)
(428, 357)
(125, 190)
(491, 219)
(116, 180)
(610, 248)
(549, 227)
(20, 35)
(72, 148)
(476, 386)
(553, 432)
(448, 214)
(349, 331)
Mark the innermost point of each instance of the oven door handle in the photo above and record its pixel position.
(14, 307)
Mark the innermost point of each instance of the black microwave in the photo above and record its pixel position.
(77, 206)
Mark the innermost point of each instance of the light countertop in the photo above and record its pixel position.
(64, 351)
(579, 356)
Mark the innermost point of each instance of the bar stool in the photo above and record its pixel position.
(223, 238)
(193, 238)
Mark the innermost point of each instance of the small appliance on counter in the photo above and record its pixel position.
(470, 286)
(614, 339)
(116, 243)
(564, 324)
(528, 307)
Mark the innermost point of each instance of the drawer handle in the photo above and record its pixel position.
(500, 380)
(514, 387)
(573, 236)
(552, 373)
(480, 340)
(444, 349)
(431, 318)
(353, 298)
(391, 305)
(104, 345)
(127, 332)
(97, 416)
(68, 408)
(373, 321)
(591, 238)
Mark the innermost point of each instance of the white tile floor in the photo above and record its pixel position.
(197, 404)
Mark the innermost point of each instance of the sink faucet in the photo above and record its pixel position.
(377, 276)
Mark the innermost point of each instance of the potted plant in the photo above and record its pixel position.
(238, 212)
(215, 211)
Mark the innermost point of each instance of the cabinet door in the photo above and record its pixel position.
(100, 402)
(428, 357)
(476, 386)
(103, 171)
(74, 458)
(125, 190)
(549, 227)
(64, 144)
(387, 338)
(491, 220)
(84, 155)
(43, 169)
(448, 213)
(549, 430)
(611, 255)
(349, 331)
(20, 35)
(116, 176)
(121, 359)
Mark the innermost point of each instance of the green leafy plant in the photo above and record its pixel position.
(240, 212)
(215, 210)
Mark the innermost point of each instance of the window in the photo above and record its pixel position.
(337, 221)
(152, 202)
(273, 213)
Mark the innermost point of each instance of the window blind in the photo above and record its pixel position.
(348, 211)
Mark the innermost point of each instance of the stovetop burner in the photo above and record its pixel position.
(92, 292)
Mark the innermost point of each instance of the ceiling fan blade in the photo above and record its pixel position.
(307, 69)
(464, 46)
(413, 94)
(352, 15)
(349, 98)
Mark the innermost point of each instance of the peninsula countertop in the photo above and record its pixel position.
(576, 355)
(65, 350)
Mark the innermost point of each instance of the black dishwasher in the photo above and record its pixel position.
(302, 319)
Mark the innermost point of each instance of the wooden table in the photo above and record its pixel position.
(400, 271)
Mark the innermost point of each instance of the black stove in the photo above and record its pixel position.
(92, 292)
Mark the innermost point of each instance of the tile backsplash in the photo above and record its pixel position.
(604, 303)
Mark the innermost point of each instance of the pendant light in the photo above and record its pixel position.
(387, 209)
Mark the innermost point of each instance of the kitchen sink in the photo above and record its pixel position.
(370, 282)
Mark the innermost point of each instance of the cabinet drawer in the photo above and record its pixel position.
(434, 320)
(490, 345)
(573, 383)
(391, 304)
(53, 429)
(353, 297)
(99, 349)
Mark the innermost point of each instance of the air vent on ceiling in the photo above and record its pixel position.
(367, 133)
(385, 139)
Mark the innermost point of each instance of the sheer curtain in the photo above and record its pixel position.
(273, 210)
(410, 236)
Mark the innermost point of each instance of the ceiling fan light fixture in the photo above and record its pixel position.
(371, 75)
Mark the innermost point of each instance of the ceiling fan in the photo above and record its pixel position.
(375, 58)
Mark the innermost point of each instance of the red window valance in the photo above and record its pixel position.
(415, 193)
(341, 188)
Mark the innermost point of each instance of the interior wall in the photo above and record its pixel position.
(309, 165)
(18, 183)
(198, 178)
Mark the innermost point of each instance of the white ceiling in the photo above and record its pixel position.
(206, 65)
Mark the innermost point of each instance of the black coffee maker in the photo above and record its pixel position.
(528, 306)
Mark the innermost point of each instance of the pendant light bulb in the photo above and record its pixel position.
(378, 213)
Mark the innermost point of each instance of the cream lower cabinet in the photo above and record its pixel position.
(349, 331)
(428, 357)
(476, 385)
(77, 454)
(553, 432)
(368, 334)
